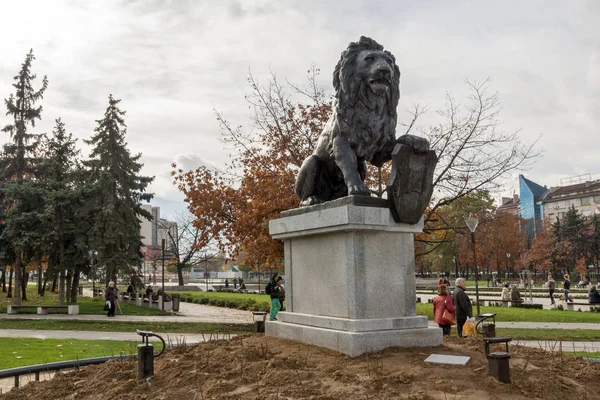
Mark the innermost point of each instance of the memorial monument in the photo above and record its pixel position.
(349, 257)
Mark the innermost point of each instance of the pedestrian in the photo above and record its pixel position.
(149, 292)
(505, 292)
(443, 302)
(515, 295)
(226, 283)
(593, 295)
(567, 287)
(235, 283)
(280, 291)
(551, 288)
(446, 281)
(462, 303)
(272, 291)
(110, 296)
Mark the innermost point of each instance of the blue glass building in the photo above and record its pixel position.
(531, 205)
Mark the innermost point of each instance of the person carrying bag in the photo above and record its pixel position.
(443, 310)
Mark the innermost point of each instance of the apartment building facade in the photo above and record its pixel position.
(585, 197)
(537, 203)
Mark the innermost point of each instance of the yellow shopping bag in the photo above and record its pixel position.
(469, 328)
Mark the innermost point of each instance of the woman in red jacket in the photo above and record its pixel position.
(441, 303)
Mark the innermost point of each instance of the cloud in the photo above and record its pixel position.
(171, 62)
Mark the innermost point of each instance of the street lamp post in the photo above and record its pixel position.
(508, 265)
(472, 225)
(163, 274)
(455, 266)
(206, 272)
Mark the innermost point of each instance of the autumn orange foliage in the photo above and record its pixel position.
(236, 206)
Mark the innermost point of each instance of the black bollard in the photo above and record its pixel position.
(499, 366)
(146, 354)
(145, 361)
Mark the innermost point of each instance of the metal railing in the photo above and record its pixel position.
(55, 366)
(70, 364)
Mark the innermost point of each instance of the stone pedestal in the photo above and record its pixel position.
(350, 282)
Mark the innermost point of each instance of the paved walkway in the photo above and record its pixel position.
(189, 313)
(552, 345)
(202, 313)
(541, 325)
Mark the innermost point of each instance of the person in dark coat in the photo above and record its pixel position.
(515, 295)
(462, 303)
(272, 290)
(593, 295)
(110, 296)
(226, 283)
(551, 288)
(567, 287)
(280, 291)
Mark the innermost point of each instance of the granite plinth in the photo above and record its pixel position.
(354, 344)
(350, 283)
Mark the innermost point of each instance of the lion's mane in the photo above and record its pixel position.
(356, 106)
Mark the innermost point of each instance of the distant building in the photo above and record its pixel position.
(157, 229)
(536, 203)
(510, 205)
(153, 232)
(585, 197)
(530, 208)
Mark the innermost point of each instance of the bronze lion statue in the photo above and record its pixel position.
(361, 128)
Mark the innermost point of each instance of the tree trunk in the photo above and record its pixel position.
(75, 285)
(10, 276)
(39, 282)
(18, 277)
(46, 277)
(3, 280)
(180, 274)
(54, 284)
(68, 289)
(61, 288)
(24, 283)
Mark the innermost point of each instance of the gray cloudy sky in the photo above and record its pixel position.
(171, 61)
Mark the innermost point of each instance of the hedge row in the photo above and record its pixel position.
(240, 304)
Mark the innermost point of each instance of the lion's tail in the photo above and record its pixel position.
(308, 175)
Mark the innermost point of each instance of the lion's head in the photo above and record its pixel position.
(366, 71)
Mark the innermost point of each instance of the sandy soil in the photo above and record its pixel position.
(258, 367)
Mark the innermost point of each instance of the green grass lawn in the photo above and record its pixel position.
(87, 305)
(20, 352)
(509, 314)
(118, 326)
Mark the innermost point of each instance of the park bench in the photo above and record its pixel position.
(504, 302)
(42, 310)
(569, 306)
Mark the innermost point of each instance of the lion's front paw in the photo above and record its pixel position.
(359, 189)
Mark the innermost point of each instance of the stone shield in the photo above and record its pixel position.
(410, 185)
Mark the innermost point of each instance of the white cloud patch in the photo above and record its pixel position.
(171, 62)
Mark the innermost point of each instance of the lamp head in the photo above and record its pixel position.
(472, 223)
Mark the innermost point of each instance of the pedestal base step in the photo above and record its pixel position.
(354, 343)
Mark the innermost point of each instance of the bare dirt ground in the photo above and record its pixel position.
(258, 367)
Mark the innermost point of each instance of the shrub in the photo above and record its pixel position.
(521, 305)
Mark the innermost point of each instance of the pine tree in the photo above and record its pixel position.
(118, 191)
(571, 238)
(62, 194)
(20, 193)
